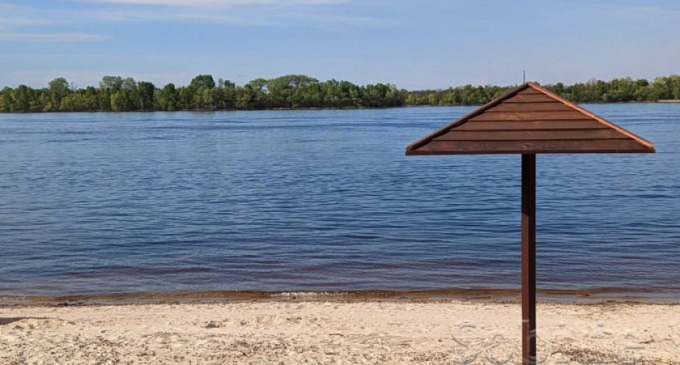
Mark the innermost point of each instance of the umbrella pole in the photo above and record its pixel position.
(529, 259)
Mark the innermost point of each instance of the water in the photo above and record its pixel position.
(321, 200)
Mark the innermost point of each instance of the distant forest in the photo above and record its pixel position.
(118, 94)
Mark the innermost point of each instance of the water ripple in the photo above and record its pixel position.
(320, 200)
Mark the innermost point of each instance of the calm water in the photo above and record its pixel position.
(320, 200)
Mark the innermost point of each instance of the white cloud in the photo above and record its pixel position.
(226, 12)
(235, 18)
(31, 24)
(204, 3)
(250, 13)
(123, 15)
(335, 19)
(52, 37)
(635, 11)
(19, 21)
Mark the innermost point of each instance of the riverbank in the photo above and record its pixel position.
(294, 331)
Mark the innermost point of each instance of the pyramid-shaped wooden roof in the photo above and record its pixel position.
(530, 120)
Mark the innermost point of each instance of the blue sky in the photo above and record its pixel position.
(413, 43)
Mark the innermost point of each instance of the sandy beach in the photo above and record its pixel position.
(336, 332)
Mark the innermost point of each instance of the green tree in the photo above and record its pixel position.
(118, 102)
(145, 91)
(116, 93)
(246, 98)
(90, 99)
(129, 84)
(6, 99)
(111, 83)
(21, 100)
(228, 95)
(72, 103)
(59, 89)
(168, 98)
(203, 81)
(104, 98)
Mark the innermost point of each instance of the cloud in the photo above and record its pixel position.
(52, 37)
(36, 24)
(204, 3)
(224, 12)
(636, 11)
(257, 13)
(19, 21)
(335, 19)
(236, 18)
(123, 15)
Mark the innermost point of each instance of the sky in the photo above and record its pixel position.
(415, 44)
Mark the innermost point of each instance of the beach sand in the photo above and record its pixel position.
(336, 332)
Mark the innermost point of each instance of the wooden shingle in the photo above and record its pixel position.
(530, 120)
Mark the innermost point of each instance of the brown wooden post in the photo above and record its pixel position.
(529, 259)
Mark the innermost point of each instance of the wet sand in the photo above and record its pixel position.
(581, 296)
(298, 328)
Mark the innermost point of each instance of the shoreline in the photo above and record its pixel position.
(559, 296)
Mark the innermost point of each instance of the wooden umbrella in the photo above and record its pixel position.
(529, 120)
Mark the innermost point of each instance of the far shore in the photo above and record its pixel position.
(307, 109)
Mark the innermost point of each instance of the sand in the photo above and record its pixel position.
(313, 332)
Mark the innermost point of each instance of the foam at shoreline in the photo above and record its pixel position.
(584, 296)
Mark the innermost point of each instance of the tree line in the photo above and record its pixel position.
(622, 90)
(118, 94)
